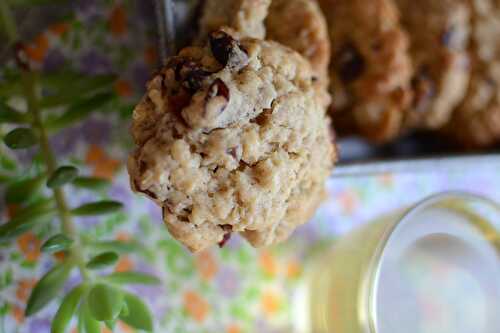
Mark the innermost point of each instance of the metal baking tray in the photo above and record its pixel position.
(415, 153)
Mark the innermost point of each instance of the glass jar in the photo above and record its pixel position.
(431, 268)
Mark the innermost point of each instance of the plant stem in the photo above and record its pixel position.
(8, 21)
(29, 80)
(68, 226)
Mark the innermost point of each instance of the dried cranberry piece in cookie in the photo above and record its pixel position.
(227, 236)
(218, 88)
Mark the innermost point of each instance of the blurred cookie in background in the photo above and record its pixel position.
(439, 35)
(370, 70)
(244, 16)
(476, 122)
(300, 25)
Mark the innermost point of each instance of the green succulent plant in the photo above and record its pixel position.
(99, 300)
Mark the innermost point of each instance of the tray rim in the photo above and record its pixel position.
(454, 163)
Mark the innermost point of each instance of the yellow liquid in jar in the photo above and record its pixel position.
(334, 289)
(339, 290)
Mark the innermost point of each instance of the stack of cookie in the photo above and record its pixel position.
(232, 135)
(404, 65)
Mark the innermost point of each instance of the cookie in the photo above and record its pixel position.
(439, 35)
(243, 16)
(476, 122)
(371, 70)
(300, 25)
(231, 138)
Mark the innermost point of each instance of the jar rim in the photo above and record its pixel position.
(453, 200)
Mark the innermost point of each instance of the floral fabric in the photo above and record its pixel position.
(235, 289)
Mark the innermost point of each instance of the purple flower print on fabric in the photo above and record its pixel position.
(120, 193)
(150, 293)
(46, 265)
(87, 11)
(39, 325)
(89, 221)
(53, 61)
(262, 326)
(74, 280)
(307, 232)
(235, 242)
(145, 10)
(154, 212)
(227, 281)
(155, 294)
(94, 63)
(65, 141)
(140, 75)
(25, 157)
(96, 131)
(84, 6)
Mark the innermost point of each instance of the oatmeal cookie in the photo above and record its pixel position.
(371, 70)
(243, 16)
(231, 138)
(439, 35)
(476, 122)
(300, 25)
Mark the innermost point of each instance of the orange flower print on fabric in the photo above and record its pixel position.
(104, 166)
(60, 256)
(12, 210)
(348, 201)
(151, 56)
(386, 179)
(118, 21)
(24, 289)
(29, 245)
(293, 269)
(123, 88)
(206, 265)
(104, 329)
(125, 328)
(196, 306)
(125, 264)
(37, 50)
(94, 155)
(267, 263)
(270, 302)
(107, 169)
(59, 29)
(233, 329)
(123, 236)
(18, 314)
